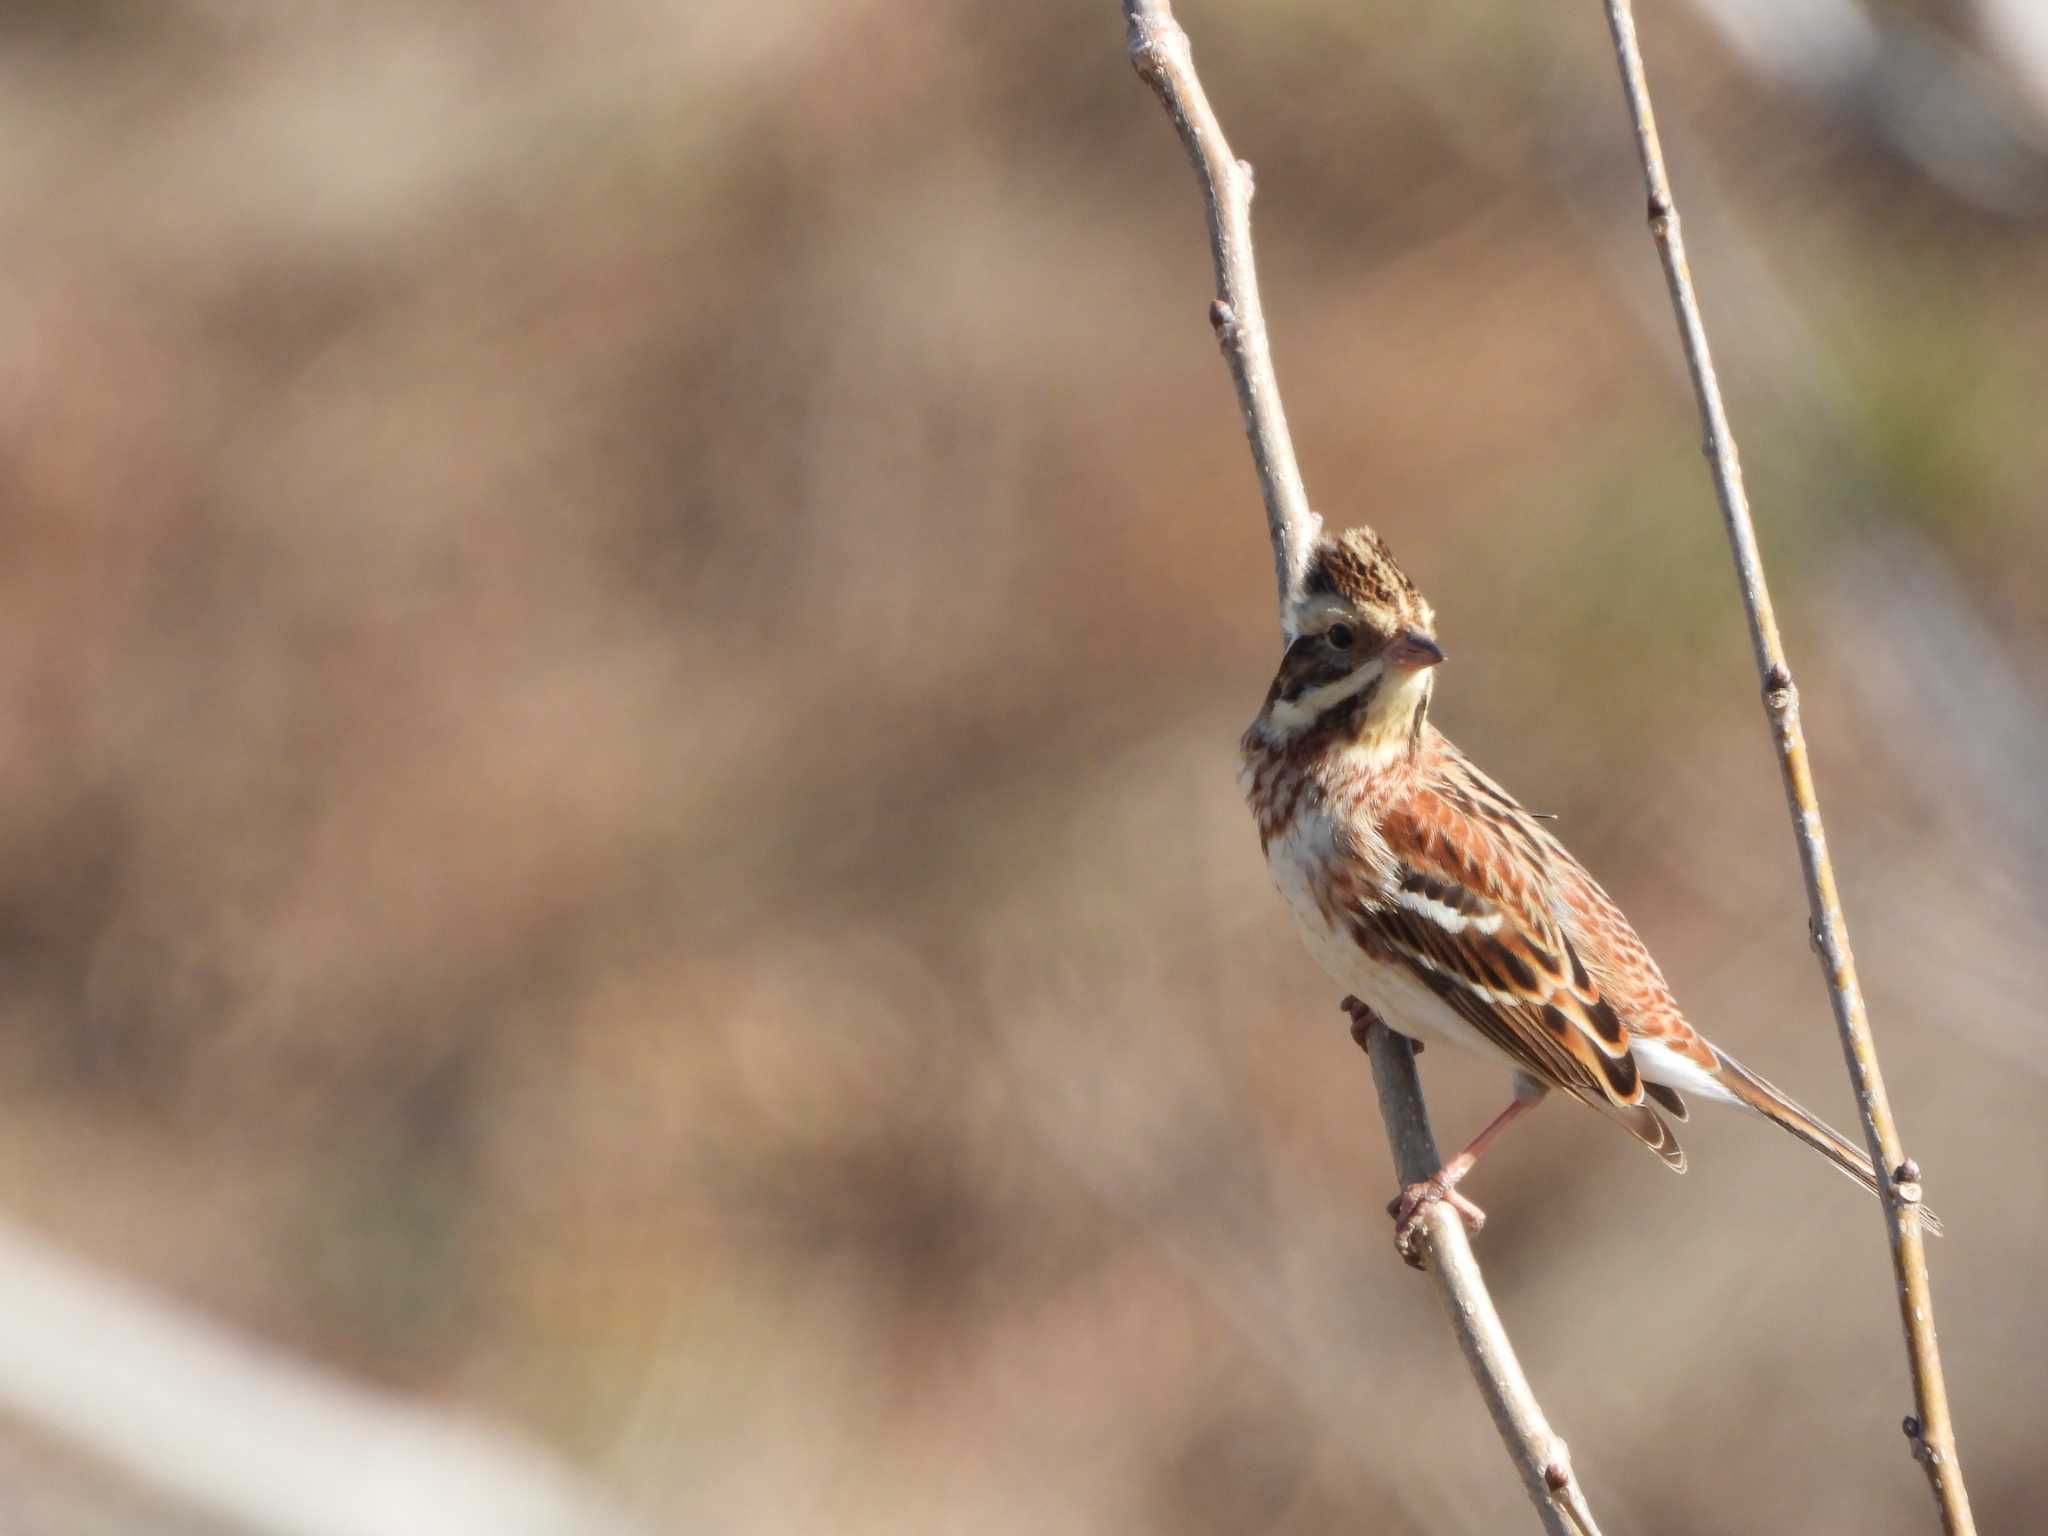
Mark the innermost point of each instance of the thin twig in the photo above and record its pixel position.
(1159, 51)
(1929, 1428)
(1540, 1454)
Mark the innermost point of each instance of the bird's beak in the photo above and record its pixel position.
(1411, 650)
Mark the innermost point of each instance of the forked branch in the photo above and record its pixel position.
(1929, 1428)
(1159, 51)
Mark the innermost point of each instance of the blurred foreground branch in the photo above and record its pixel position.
(1929, 1428)
(1159, 51)
(246, 1433)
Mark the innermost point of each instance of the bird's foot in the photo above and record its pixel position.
(1408, 1207)
(1363, 1021)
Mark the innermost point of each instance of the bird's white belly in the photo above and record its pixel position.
(1296, 859)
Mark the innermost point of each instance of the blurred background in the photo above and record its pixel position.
(624, 628)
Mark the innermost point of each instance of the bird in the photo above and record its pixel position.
(1444, 908)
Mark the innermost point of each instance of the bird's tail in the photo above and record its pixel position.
(1759, 1095)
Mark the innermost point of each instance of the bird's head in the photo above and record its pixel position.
(1361, 651)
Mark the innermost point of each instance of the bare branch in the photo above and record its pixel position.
(1159, 51)
(1929, 1428)
(1540, 1455)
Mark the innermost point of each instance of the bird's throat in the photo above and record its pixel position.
(1385, 725)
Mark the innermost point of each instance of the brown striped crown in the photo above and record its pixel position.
(1356, 570)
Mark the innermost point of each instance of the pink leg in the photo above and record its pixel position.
(1407, 1208)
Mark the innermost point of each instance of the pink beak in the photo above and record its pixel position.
(1412, 650)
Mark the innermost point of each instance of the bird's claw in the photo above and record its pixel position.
(1408, 1207)
(1362, 1021)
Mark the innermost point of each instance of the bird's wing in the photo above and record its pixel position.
(1468, 909)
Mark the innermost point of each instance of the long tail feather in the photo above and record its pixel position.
(1779, 1109)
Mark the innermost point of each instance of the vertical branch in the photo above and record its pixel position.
(1929, 1428)
(1159, 51)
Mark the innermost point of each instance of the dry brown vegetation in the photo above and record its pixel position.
(624, 632)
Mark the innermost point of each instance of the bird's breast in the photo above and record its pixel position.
(1322, 859)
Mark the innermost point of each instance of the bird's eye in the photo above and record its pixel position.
(1341, 636)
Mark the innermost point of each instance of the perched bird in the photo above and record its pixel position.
(1447, 910)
